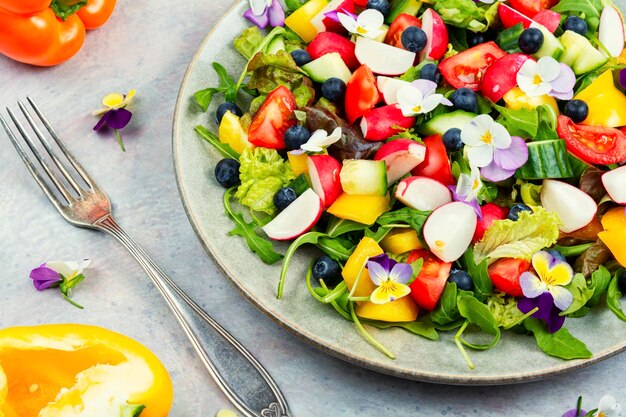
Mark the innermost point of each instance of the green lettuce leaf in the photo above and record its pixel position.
(504, 309)
(518, 239)
(520, 122)
(262, 173)
(248, 42)
(467, 14)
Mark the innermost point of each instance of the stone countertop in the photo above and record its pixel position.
(147, 45)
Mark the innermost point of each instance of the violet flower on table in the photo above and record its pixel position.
(114, 114)
(60, 274)
(265, 12)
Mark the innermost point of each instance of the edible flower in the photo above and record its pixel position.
(546, 76)
(489, 146)
(264, 12)
(114, 114)
(545, 291)
(467, 189)
(390, 277)
(368, 24)
(608, 407)
(318, 141)
(60, 274)
(419, 97)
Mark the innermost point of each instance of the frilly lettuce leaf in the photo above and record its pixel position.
(518, 239)
(504, 309)
(467, 14)
(262, 173)
(249, 41)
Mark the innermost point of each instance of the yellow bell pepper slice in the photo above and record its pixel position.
(607, 105)
(516, 99)
(363, 209)
(400, 241)
(300, 20)
(232, 133)
(614, 219)
(299, 164)
(401, 310)
(367, 248)
(614, 240)
(47, 370)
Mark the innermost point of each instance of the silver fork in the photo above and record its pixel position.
(237, 373)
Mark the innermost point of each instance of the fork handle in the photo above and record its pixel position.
(237, 373)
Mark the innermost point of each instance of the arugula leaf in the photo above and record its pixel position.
(581, 292)
(613, 296)
(421, 328)
(222, 148)
(262, 247)
(446, 311)
(379, 234)
(412, 217)
(560, 344)
(131, 410)
(600, 280)
(337, 227)
(547, 123)
(65, 8)
(520, 122)
(479, 314)
(310, 238)
(413, 73)
(337, 248)
(226, 86)
(479, 274)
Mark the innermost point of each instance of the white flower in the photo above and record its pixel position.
(369, 23)
(319, 140)
(419, 97)
(69, 270)
(482, 136)
(546, 76)
(258, 6)
(469, 185)
(608, 407)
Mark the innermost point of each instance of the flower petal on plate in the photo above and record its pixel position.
(541, 262)
(258, 6)
(378, 274)
(426, 87)
(261, 20)
(348, 22)
(562, 96)
(401, 273)
(514, 156)
(473, 131)
(118, 119)
(463, 186)
(549, 68)
(525, 305)
(431, 102)
(560, 274)
(276, 14)
(481, 156)
(562, 297)
(532, 286)
(494, 173)
(565, 81)
(389, 291)
(500, 137)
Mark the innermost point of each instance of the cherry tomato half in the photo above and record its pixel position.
(467, 68)
(273, 119)
(361, 93)
(436, 165)
(594, 144)
(429, 284)
(505, 273)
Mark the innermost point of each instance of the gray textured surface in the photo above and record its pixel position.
(147, 45)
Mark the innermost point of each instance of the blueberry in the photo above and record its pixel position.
(577, 110)
(328, 269)
(465, 99)
(301, 57)
(334, 89)
(227, 172)
(530, 40)
(452, 139)
(224, 107)
(476, 39)
(431, 72)
(557, 255)
(380, 5)
(284, 197)
(414, 39)
(621, 282)
(296, 136)
(575, 24)
(462, 280)
(516, 209)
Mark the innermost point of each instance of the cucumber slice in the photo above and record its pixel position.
(439, 124)
(277, 44)
(546, 159)
(551, 45)
(402, 6)
(327, 66)
(364, 177)
(580, 54)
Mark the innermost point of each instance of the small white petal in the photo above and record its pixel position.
(464, 186)
(370, 19)
(66, 269)
(258, 6)
(347, 22)
(549, 68)
(525, 83)
(430, 102)
(562, 297)
(609, 406)
(407, 110)
(332, 138)
(500, 137)
(481, 156)
(427, 87)
(472, 132)
(410, 98)
(528, 69)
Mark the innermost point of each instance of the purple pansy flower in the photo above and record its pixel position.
(114, 114)
(44, 277)
(574, 412)
(547, 311)
(59, 274)
(390, 277)
(622, 78)
(264, 12)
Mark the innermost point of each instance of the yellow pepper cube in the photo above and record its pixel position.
(401, 240)
(516, 99)
(298, 164)
(363, 209)
(367, 248)
(615, 240)
(614, 219)
(232, 133)
(607, 105)
(401, 310)
(300, 20)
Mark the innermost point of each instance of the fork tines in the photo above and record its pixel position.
(63, 185)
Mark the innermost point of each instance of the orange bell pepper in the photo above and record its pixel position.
(48, 32)
(47, 370)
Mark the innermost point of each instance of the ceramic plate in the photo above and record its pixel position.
(515, 359)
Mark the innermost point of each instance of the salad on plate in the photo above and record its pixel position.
(459, 164)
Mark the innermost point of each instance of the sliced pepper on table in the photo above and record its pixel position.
(46, 370)
(48, 32)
